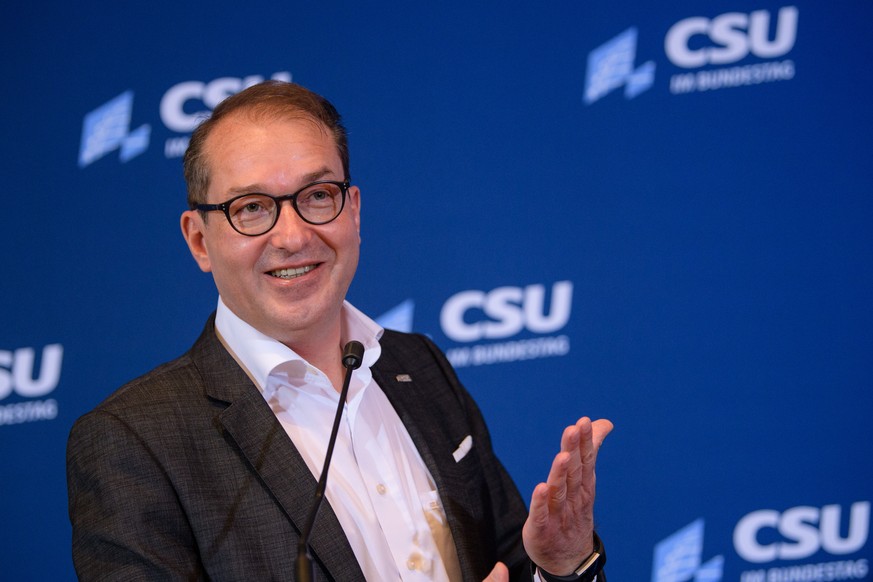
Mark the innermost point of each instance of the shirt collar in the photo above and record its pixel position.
(261, 355)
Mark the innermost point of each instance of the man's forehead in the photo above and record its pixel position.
(239, 124)
(260, 116)
(236, 137)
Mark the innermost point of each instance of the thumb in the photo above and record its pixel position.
(499, 574)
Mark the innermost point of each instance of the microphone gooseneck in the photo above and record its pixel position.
(353, 355)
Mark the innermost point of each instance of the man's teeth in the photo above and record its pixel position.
(291, 273)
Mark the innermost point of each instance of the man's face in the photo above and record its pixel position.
(290, 282)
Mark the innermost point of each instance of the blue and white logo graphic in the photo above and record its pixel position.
(506, 324)
(398, 318)
(733, 49)
(20, 376)
(678, 558)
(107, 129)
(611, 66)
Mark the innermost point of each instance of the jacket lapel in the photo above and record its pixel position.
(270, 453)
(424, 429)
(413, 390)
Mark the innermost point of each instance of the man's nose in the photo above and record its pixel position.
(290, 230)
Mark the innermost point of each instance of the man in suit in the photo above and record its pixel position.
(205, 468)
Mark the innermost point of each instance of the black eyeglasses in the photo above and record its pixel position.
(255, 214)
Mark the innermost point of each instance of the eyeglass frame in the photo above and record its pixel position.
(225, 206)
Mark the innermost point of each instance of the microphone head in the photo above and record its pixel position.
(353, 355)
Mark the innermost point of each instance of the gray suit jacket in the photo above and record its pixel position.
(185, 473)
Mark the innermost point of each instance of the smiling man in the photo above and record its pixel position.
(289, 282)
(205, 468)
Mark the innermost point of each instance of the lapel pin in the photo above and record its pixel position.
(403, 378)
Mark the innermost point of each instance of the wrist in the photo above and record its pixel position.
(587, 571)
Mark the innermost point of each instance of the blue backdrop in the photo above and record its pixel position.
(660, 214)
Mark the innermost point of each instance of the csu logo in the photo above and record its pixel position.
(800, 532)
(693, 43)
(107, 128)
(17, 371)
(730, 37)
(499, 314)
(470, 316)
(768, 536)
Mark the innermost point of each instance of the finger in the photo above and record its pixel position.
(572, 442)
(557, 480)
(500, 573)
(538, 515)
(592, 435)
(570, 438)
(587, 452)
(601, 428)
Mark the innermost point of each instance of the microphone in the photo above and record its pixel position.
(353, 355)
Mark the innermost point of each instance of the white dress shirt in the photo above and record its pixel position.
(379, 488)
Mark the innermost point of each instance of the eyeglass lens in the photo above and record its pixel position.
(257, 213)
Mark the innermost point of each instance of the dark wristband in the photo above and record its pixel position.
(587, 570)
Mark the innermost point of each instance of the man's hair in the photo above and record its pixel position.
(269, 100)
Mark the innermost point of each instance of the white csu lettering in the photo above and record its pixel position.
(510, 309)
(210, 94)
(734, 35)
(16, 371)
(798, 528)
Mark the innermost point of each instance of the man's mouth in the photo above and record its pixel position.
(292, 273)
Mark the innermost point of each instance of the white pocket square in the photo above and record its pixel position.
(463, 448)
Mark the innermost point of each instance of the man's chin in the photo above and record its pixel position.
(304, 322)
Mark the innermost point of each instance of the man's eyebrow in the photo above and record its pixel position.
(260, 188)
(316, 176)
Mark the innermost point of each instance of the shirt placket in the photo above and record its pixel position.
(390, 496)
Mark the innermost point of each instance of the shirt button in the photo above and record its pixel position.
(381, 489)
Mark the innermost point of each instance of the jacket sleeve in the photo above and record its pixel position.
(127, 521)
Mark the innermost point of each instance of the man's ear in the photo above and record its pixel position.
(355, 206)
(194, 231)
